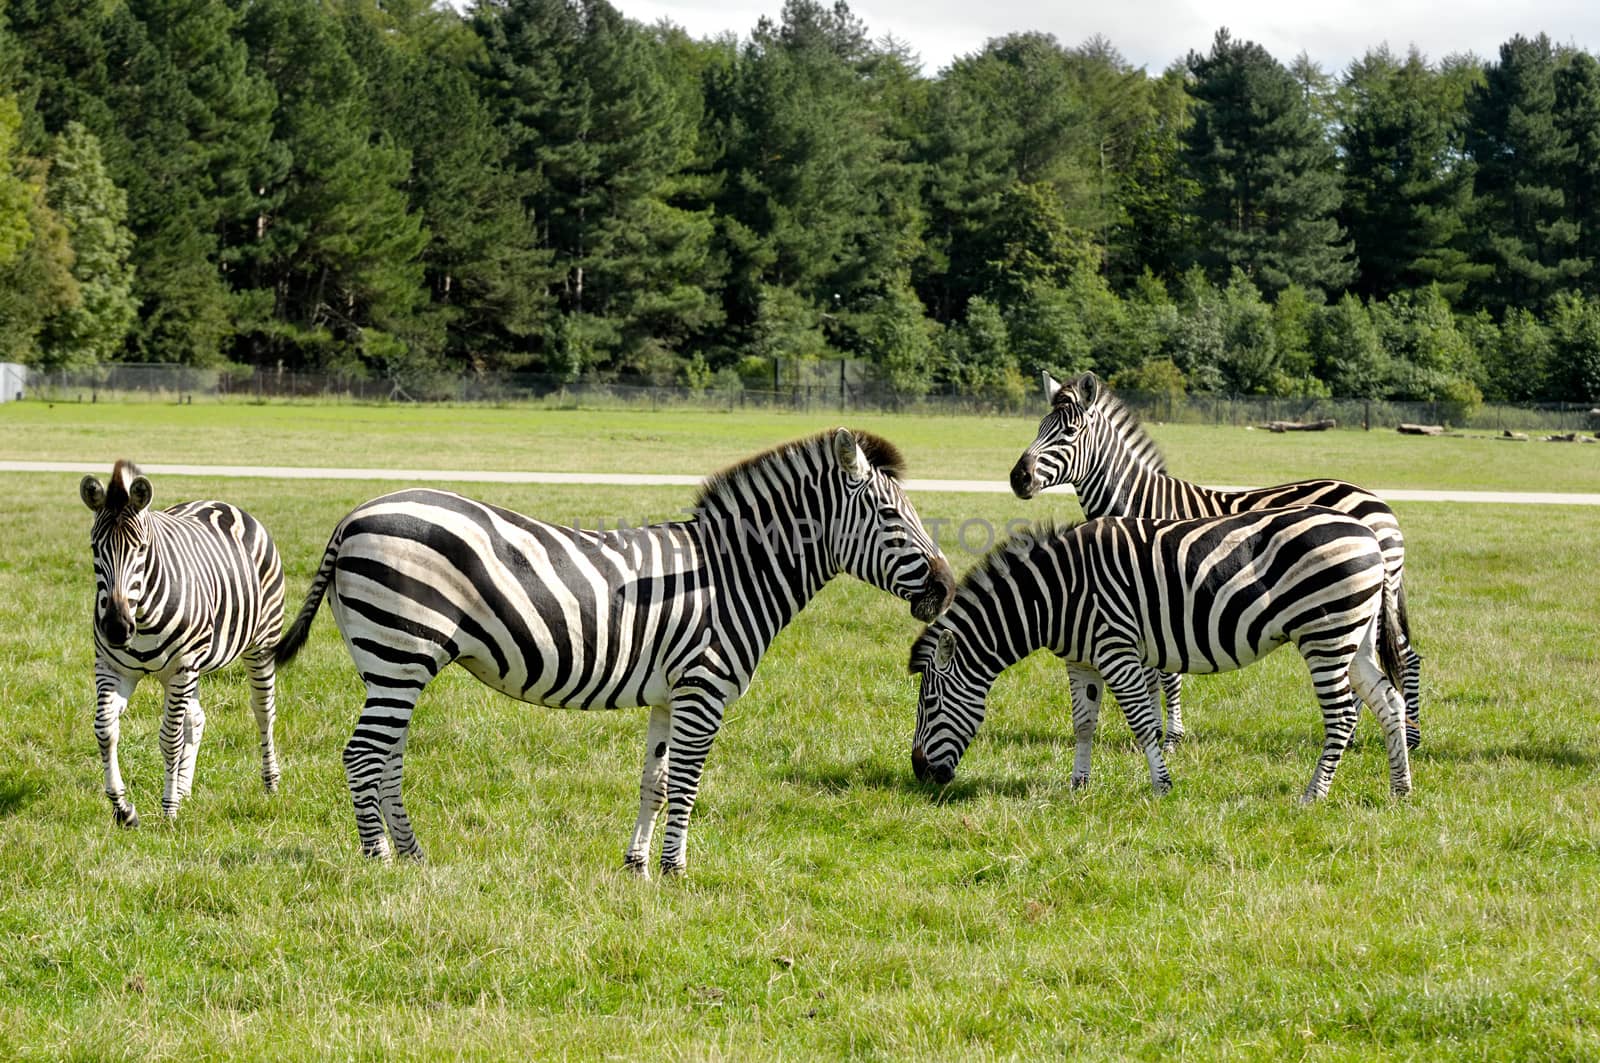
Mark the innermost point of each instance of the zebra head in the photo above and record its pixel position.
(878, 536)
(1060, 452)
(950, 704)
(120, 537)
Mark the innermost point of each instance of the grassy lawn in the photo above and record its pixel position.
(478, 437)
(833, 906)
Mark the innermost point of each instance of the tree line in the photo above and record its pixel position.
(392, 187)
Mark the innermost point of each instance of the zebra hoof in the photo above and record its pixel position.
(1080, 782)
(1175, 738)
(378, 851)
(127, 818)
(673, 870)
(269, 783)
(637, 864)
(169, 812)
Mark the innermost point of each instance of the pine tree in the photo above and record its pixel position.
(602, 137)
(1267, 188)
(487, 279)
(333, 265)
(1405, 189)
(1521, 228)
(94, 210)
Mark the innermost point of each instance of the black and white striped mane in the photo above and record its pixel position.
(122, 477)
(884, 456)
(1123, 421)
(983, 575)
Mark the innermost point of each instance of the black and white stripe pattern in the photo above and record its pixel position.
(1117, 597)
(1091, 440)
(675, 616)
(178, 593)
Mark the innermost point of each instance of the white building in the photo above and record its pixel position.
(12, 379)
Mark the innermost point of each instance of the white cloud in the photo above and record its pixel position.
(1153, 33)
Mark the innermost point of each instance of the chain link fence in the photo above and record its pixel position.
(830, 386)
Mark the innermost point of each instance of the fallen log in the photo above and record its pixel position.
(1301, 426)
(1421, 429)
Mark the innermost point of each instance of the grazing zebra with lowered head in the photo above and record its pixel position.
(1092, 441)
(674, 616)
(1117, 597)
(179, 592)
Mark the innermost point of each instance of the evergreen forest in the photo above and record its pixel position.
(396, 188)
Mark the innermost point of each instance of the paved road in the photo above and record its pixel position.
(627, 479)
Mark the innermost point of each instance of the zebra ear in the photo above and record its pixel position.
(92, 492)
(1052, 386)
(1088, 388)
(945, 650)
(140, 493)
(851, 459)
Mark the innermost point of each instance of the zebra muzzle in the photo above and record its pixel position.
(936, 594)
(1022, 478)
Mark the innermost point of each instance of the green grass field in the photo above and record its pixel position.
(833, 907)
(480, 437)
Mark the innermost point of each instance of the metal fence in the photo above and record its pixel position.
(844, 392)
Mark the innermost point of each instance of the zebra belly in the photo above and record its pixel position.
(1229, 658)
(654, 691)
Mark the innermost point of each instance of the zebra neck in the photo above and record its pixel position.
(768, 565)
(1119, 484)
(1009, 614)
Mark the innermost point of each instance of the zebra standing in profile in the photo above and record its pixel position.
(1117, 597)
(178, 593)
(675, 616)
(1092, 441)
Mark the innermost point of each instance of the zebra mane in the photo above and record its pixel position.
(1126, 424)
(981, 577)
(884, 456)
(122, 475)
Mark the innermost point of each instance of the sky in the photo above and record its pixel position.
(1153, 33)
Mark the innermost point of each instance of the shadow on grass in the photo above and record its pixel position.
(1550, 752)
(16, 791)
(870, 774)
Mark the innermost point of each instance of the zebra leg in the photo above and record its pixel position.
(694, 726)
(1129, 681)
(194, 725)
(1172, 687)
(652, 790)
(1084, 683)
(380, 731)
(394, 810)
(1387, 704)
(176, 730)
(1330, 675)
(112, 690)
(263, 703)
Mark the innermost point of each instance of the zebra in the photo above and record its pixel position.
(179, 592)
(674, 616)
(1092, 441)
(1118, 597)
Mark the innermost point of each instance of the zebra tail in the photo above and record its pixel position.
(1402, 615)
(1391, 625)
(295, 637)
